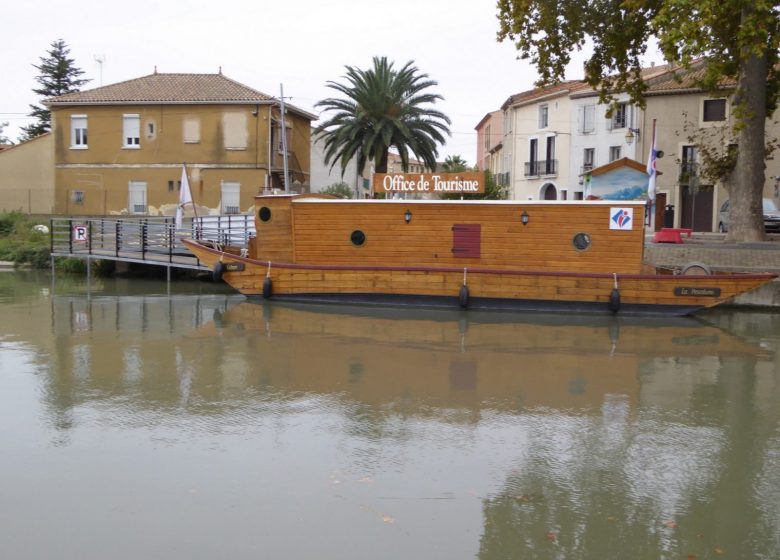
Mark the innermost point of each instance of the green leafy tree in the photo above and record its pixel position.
(454, 164)
(383, 107)
(57, 76)
(341, 190)
(738, 38)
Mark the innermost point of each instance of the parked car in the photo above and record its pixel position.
(771, 217)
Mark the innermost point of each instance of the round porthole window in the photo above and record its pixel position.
(358, 237)
(264, 214)
(581, 241)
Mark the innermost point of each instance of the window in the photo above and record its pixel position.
(487, 137)
(544, 113)
(588, 156)
(131, 130)
(174, 186)
(231, 197)
(532, 167)
(191, 130)
(587, 119)
(78, 132)
(688, 164)
(507, 121)
(549, 163)
(620, 116)
(234, 128)
(466, 240)
(136, 203)
(357, 238)
(278, 137)
(714, 110)
(614, 153)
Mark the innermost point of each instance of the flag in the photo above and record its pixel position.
(185, 197)
(651, 168)
(588, 189)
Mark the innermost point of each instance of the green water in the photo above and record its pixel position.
(146, 422)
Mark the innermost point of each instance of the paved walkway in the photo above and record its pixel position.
(711, 250)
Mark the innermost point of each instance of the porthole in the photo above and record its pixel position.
(264, 214)
(581, 241)
(358, 238)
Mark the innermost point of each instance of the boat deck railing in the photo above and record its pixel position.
(147, 240)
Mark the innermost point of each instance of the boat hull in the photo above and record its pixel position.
(477, 288)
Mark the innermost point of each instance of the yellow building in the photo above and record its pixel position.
(119, 149)
(27, 176)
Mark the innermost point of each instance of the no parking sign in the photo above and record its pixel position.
(79, 233)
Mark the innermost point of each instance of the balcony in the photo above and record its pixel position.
(548, 167)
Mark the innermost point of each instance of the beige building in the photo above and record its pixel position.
(27, 176)
(685, 116)
(490, 138)
(537, 143)
(119, 149)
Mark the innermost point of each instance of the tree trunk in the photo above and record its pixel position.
(747, 185)
(381, 164)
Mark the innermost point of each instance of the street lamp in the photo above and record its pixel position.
(630, 133)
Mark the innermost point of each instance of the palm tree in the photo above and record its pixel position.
(383, 107)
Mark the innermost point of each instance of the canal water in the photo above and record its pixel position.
(142, 421)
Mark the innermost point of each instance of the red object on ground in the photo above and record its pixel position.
(671, 235)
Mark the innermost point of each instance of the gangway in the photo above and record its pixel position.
(145, 240)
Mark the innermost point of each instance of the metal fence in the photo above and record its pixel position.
(148, 239)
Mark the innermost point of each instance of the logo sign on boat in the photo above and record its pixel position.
(621, 218)
(468, 182)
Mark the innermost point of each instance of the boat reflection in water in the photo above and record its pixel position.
(452, 359)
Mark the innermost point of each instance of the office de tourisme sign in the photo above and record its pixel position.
(469, 182)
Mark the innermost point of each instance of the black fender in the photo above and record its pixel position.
(463, 296)
(267, 287)
(614, 300)
(216, 273)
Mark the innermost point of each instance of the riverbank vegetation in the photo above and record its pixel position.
(20, 241)
(24, 241)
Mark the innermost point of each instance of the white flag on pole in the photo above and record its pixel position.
(652, 171)
(185, 197)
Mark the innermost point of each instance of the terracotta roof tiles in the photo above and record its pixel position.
(167, 88)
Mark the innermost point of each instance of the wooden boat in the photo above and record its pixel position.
(510, 255)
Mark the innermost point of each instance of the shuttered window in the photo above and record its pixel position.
(467, 240)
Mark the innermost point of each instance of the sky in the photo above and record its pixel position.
(301, 44)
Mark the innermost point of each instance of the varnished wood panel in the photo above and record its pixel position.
(322, 235)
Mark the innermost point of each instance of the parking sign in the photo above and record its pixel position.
(80, 233)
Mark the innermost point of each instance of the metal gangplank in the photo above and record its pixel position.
(145, 240)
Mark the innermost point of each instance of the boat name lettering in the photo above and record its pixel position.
(701, 292)
(234, 267)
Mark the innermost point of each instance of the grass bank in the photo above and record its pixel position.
(26, 245)
(21, 243)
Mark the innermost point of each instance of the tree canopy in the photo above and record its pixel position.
(383, 107)
(454, 164)
(3, 138)
(58, 75)
(738, 38)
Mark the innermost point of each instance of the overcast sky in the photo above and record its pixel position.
(300, 43)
